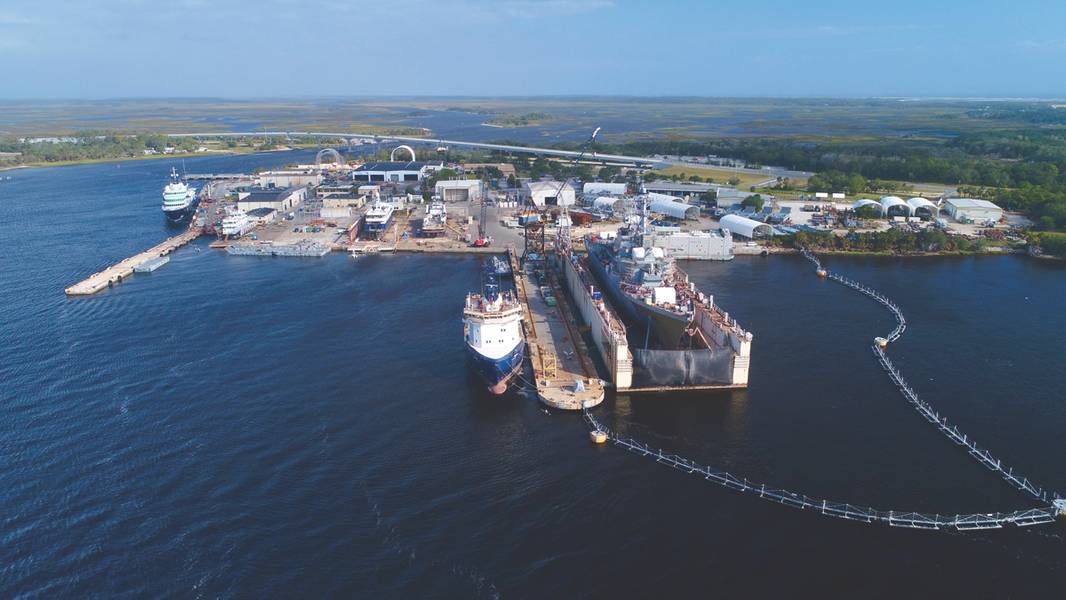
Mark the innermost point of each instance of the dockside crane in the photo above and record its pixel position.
(533, 219)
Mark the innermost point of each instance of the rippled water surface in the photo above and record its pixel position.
(243, 427)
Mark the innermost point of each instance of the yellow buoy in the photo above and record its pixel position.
(598, 437)
(882, 342)
(822, 272)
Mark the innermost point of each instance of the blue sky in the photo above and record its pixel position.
(268, 48)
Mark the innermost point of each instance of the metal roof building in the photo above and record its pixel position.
(745, 227)
(390, 171)
(969, 209)
(549, 193)
(672, 208)
(678, 188)
(594, 188)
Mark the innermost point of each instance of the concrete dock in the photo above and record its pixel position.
(564, 374)
(123, 270)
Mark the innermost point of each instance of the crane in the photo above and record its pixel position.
(534, 223)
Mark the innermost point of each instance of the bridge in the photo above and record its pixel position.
(1051, 505)
(350, 138)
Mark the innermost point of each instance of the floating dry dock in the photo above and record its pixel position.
(565, 376)
(118, 272)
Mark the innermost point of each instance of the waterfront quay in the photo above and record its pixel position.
(122, 270)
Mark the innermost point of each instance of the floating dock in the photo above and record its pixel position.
(565, 376)
(118, 272)
(151, 265)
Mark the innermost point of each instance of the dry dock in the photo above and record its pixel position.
(565, 376)
(118, 272)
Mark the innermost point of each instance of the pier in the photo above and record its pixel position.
(117, 273)
(1051, 505)
(564, 375)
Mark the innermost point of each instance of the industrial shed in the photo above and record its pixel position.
(866, 202)
(746, 227)
(894, 206)
(549, 193)
(594, 188)
(920, 207)
(969, 209)
(459, 190)
(674, 209)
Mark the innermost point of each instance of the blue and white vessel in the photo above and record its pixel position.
(493, 333)
(377, 219)
(179, 199)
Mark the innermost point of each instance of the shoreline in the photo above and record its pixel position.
(92, 161)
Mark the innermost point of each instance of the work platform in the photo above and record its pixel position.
(122, 270)
(564, 374)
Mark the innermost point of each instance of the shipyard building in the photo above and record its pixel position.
(459, 190)
(281, 200)
(393, 171)
(969, 209)
(548, 193)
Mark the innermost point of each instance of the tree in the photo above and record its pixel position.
(755, 201)
(734, 180)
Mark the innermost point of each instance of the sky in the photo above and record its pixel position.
(291, 48)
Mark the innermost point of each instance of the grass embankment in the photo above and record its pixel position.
(719, 174)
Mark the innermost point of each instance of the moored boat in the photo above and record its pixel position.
(493, 334)
(179, 198)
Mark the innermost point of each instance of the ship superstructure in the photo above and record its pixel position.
(377, 219)
(179, 199)
(493, 334)
(436, 219)
(677, 333)
(236, 223)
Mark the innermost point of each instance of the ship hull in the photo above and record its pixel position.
(181, 214)
(497, 373)
(666, 327)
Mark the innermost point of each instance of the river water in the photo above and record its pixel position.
(246, 427)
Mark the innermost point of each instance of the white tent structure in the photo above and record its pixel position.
(674, 209)
(867, 202)
(922, 207)
(894, 204)
(604, 203)
(745, 227)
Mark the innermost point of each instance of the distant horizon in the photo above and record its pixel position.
(917, 98)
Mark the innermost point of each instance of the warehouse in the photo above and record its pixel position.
(969, 209)
(678, 189)
(745, 227)
(288, 178)
(595, 188)
(281, 200)
(391, 171)
(548, 193)
(459, 190)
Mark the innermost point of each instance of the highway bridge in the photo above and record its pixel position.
(351, 138)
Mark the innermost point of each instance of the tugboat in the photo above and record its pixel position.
(493, 334)
(179, 199)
